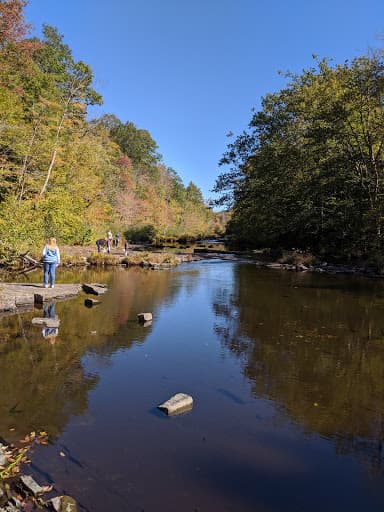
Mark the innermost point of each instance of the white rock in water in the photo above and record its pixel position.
(144, 317)
(31, 484)
(3, 459)
(48, 322)
(177, 404)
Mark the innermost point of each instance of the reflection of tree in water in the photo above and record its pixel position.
(314, 348)
(42, 385)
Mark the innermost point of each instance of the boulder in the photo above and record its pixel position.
(274, 265)
(91, 302)
(3, 459)
(31, 485)
(47, 322)
(94, 289)
(177, 404)
(64, 504)
(144, 317)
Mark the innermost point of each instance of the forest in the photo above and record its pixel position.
(64, 175)
(308, 172)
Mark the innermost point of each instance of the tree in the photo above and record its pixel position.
(137, 144)
(73, 81)
(309, 171)
(13, 27)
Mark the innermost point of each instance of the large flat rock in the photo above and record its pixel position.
(14, 296)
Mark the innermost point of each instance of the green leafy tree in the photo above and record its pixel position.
(309, 171)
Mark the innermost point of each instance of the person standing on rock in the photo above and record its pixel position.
(51, 258)
(109, 241)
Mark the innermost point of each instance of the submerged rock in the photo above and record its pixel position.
(177, 404)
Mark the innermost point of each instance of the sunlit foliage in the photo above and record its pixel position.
(63, 175)
(309, 171)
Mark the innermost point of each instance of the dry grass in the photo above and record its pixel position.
(297, 258)
(100, 259)
(73, 260)
(151, 259)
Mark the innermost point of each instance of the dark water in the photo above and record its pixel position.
(286, 370)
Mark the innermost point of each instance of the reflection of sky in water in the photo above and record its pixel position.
(270, 359)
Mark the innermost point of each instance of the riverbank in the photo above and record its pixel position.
(145, 256)
(16, 297)
(77, 256)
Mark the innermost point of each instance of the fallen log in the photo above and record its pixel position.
(27, 258)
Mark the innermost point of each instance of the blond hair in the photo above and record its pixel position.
(52, 243)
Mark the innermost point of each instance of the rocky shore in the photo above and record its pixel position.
(16, 297)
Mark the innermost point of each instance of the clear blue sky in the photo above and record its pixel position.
(190, 71)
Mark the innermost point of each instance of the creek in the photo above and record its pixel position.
(286, 370)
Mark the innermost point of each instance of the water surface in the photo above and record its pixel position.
(286, 370)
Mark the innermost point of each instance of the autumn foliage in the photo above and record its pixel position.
(63, 174)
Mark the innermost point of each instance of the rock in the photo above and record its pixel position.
(56, 503)
(95, 289)
(91, 302)
(144, 317)
(3, 459)
(38, 298)
(31, 485)
(274, 265)
(16, 501)
(64, 504)
(48, 322)
(177, 404)
(10, 507)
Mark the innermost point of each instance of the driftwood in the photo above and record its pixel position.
(25, 258)
(29, 263)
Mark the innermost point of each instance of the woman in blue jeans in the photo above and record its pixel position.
(51, 258)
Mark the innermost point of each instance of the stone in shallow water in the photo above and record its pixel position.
(3, 459)
(177, 404)
(94, 289)
(31, 484)
(91, 302)
(48, 322)
(144, 317)
(64, 504)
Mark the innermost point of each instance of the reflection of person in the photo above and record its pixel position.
(50, 332)
(51, 258)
